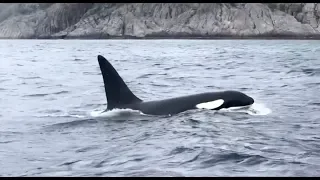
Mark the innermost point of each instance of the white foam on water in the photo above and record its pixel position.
(113, 112)
(256, 109)
(259, 109)
(59, 115)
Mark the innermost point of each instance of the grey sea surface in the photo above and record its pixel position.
(51, 93)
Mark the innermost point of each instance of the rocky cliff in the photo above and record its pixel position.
(142, 20)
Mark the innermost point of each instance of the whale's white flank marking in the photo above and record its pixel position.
(210, 104)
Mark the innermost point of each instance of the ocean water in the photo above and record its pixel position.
(52, 95)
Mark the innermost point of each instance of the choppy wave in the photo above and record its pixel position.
(53, 120)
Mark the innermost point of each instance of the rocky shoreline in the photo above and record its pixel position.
(160, 21)
(177, 37)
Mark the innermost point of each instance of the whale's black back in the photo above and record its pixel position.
(117, 92)
(119, 96)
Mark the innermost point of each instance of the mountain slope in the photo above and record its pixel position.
(107, 20)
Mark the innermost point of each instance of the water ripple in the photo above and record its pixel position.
(52, 108)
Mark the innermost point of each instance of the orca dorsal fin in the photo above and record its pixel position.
(117, 92)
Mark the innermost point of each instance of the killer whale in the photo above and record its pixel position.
(119, 96)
